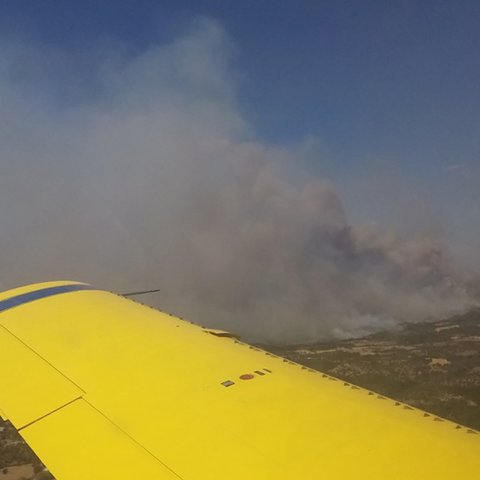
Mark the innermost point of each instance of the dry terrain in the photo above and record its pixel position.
(434, 366)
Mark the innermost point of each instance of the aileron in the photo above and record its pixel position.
(31, 387)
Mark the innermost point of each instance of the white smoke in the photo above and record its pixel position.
(143, 173)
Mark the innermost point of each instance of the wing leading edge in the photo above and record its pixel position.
(103, 387)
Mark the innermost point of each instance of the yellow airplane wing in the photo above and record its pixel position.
(102, 387)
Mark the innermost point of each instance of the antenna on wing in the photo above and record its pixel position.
(142, 292)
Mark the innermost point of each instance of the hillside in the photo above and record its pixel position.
(433, 366)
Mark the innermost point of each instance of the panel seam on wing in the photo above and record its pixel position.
(49, 413)
(133, 439)
(42, 358)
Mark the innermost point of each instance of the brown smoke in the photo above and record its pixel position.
(151, 178)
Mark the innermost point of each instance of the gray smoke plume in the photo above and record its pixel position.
(139, 171)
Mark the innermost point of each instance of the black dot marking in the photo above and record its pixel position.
(397, 404)
(370, 393)
(259, 372)
(458, 427)
(426, 415)
(436, 419)
(228, 383)
(267, 370)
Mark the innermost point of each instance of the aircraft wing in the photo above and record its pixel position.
(102, 387)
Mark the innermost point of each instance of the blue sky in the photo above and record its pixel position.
(369, 78)
(372, 81)
(260, 160)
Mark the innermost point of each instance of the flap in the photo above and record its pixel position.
(30, 387)
(78, 442)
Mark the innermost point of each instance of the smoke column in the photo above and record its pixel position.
(139, 171)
